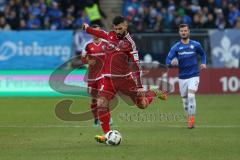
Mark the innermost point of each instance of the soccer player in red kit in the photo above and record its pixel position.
(119, 76)
(94, 55)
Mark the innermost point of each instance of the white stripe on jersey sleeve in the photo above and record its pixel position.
(129, 38)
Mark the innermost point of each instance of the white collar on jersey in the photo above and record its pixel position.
(97, 44)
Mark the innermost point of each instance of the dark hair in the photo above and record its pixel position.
(95, 26)
(183, 25)
(118, 19)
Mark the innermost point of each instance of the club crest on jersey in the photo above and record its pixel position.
(191, 46)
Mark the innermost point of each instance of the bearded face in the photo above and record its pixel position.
(120, 29)
(184, 32)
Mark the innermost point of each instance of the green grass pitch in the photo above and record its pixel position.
(29, 130)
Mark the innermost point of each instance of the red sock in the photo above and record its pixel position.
(104, 117)
(94, 108)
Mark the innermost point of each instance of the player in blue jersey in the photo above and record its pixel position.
(184, 54)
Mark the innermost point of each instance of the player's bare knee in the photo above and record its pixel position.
(102, 102)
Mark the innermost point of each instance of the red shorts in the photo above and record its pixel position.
(94, 87)
(125, 86)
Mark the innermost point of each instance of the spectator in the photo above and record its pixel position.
(143, 15)
(35, 8)
(67, 22)
(3, 25)
(55, 16)
(198, 14)
(233, 14)
(13, 20)
(81, 18)
(153, 19)
(33, 22)
(94, 12)
(23, 25)
(197, 21)
(210, 21)
(220, 19)
(237, 23)
(2, 4)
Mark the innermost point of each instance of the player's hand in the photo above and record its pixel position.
(85, 26)
(174, 62)
(203, 66)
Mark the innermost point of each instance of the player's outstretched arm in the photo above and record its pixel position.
(98, 33)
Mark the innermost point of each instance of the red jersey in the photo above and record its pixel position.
(119, 52)
(95, 53)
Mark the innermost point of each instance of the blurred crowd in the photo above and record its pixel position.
(143, 15)
(48, 14)
(159, 15)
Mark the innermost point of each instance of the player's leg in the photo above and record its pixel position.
(106, 93)
(151, 92)
(104, 117)
(191, 108)
(95, 112)
(144, 98)
(93, 90)
(192, 89)
(103, 113)
(138, 96)
(183, 88)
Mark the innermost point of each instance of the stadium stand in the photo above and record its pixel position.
(143, 15)
(48, 14)
(157, 15)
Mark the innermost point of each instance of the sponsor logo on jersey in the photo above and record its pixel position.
(186, 53)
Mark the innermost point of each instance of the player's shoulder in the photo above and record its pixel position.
(194, 42)
(112, 36)
(129, 37)
(111, 33)
(176, 45)
(89, 43)
(103, 41)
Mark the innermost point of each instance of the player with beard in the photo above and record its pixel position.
(184, 54)
(119, 75)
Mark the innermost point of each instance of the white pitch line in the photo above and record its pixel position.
(122, 126)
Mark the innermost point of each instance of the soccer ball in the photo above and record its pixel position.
(113, 137)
